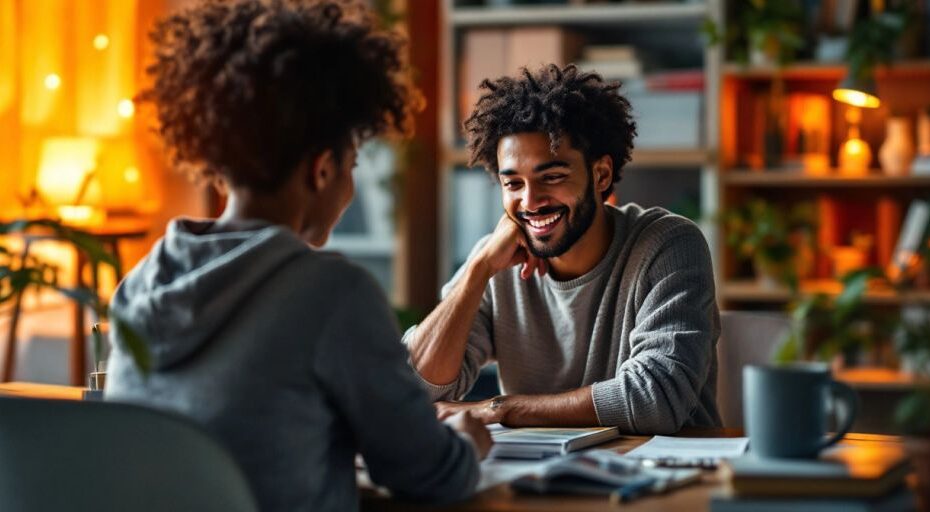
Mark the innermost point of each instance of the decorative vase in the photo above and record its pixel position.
(770, 274)
(897, 152)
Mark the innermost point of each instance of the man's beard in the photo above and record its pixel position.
(576, 225)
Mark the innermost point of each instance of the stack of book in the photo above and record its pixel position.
(853, 477)
(617, 62)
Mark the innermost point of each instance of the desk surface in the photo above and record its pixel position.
(34, 390)
(500, 498)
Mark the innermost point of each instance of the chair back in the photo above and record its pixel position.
(101, 456)
(746, 337)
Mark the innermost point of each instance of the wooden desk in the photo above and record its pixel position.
(695, 497)
(500, 498)
(35, 390)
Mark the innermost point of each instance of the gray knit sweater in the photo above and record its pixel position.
(641, 327)
(291, 358)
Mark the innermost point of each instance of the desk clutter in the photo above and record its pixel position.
(849, 477)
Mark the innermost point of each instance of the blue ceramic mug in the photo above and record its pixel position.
(785, 409)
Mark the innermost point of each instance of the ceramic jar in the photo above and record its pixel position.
(897, 152)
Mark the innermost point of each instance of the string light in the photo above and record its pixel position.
(131, 175)
(52, 81)
(101, 42)
(125, 108)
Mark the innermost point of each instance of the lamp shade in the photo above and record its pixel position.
(65, 166)
(857, 89)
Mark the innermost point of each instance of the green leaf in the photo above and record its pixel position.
(913, 413)
(136, 346)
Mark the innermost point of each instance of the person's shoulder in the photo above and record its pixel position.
(655, 223)
(328, 269)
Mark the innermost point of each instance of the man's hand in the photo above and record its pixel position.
(464, 422)
(507, 247)
(485, 411)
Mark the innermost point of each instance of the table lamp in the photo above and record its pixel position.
(65, 178)
(858, 91)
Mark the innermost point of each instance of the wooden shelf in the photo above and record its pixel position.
(785, 179)
(824, 71)
(751, 291)
(596, 14)
(879, 379)
(642, 158)
(673, 157)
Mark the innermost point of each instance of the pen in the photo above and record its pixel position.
(632, 490)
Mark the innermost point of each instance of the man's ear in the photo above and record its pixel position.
(602, 172)
(322, 170)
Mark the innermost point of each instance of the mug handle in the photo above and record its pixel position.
(849, 396)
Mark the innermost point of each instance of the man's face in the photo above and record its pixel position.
(550, 196)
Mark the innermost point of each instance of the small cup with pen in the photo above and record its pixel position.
(96, 379)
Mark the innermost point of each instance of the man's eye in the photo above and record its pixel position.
(553, 178)
(512, 185)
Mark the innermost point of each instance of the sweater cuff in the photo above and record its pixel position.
(434, 391)
(610, 407)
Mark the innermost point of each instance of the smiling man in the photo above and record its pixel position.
(596, 315)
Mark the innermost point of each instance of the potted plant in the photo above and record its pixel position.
(779, 244)
(761, 32)
(839, 328)
(20, 271)
(913, 412)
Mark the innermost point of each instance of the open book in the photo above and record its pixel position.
(539, 443)
(603, 472)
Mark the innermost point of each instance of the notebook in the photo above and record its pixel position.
(603, 472)
(849, 470)
(539, 443)
(901, 500)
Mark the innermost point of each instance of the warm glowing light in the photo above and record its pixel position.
(52, 81)
(131, 175)
(856, 98)
(66, 163)
(125, 108)
(101, 42)
(79, 214)
(855, 156)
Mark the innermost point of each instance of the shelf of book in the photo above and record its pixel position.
(750, 291)
(779, 178)
(595, 14)
(823, 71)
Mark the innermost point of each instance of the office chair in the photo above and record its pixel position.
(99, 456)
(746, 338)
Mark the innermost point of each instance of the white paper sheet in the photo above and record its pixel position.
(660, 447)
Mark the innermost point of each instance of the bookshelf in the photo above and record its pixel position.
(665, 36)
(872, 204)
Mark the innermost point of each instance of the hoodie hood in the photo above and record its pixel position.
(192, 281)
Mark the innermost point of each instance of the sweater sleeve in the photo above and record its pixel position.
(673, 343)
(478, 351)
(364, 370)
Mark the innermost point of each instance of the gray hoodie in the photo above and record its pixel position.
(291, 357)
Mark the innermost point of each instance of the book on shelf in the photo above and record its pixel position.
(612, 70)
(603, 472)
(901, 500)
(540, 443)
(849, 470)
(905, 258)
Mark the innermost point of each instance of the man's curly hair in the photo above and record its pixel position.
(556, 101)
(249, 88)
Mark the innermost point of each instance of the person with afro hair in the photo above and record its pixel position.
(290, 356)
(595, 315)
